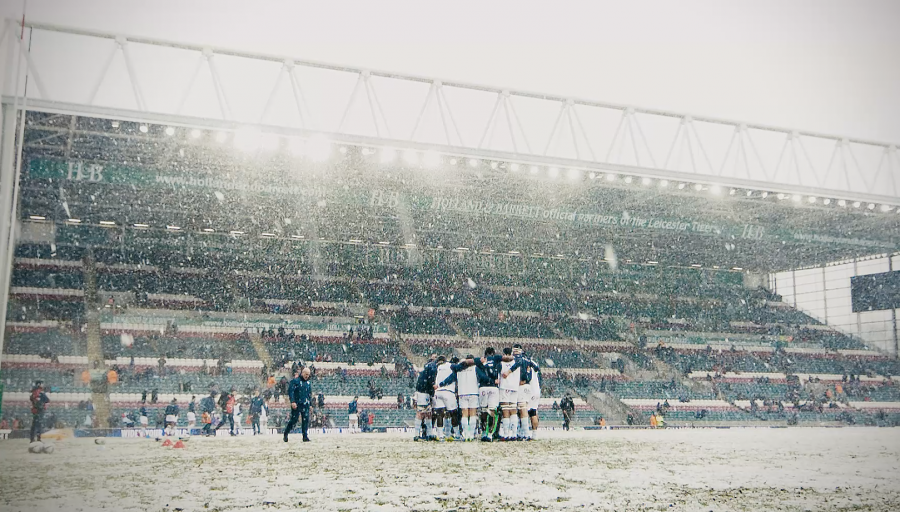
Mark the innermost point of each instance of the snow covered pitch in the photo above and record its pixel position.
(723, 470)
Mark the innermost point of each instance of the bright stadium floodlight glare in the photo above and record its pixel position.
(681, 186)
(553, 172)
(173, 228)
(796, 198)
(574, 175)
(886, 208)
(646, 182)
(208, 230)
(107, 223)
(749, 193)
(318, 148)
(37, 217)
(296, 146)
(195, 133)
(826, 201)
(247, 139)
(765, 195)
(663, 183)
(698, 187)
(388, 155)
(842, 203)
(74, 221)
(268, 142)
(221, 137)
(114, 124)
(856, 204)
(871, 206)
(610, 177)
(142, 226)
(342, 150)
(453, 161)
(811, 199)
(534, 169)
(144, 128)
(473, 162)
(410, 157)
(494, 165)
(514, 167)
(715, 190)
(432, 158)
(737, 268)
(628, 179)
(592, 176)
(781, 197)
(732, 192)
(170, 131)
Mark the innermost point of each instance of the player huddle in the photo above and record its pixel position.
(495, 396)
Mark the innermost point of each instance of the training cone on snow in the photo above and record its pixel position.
(167, 443)
(179, 444)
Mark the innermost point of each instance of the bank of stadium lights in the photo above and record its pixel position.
(453, 161)
(195, 133)
(534, 169)
(473, 162)
(107, 223)
(681, 186)
(592, 176)
(208, 230)
(628, 179)
(811, 199)
(431, 158)
(826, 201)
(114, 124)
(871, 206)
(144, 128)
(732, 192)
(886, 208)
(141, 225)
(573, 175)
(646, 182)
(74, 221)
(856, 204)
(495, 165)
(764, 195)
(714, 190)
(410, 157)
(247, 139)
(221, 137)
(37, 217)
(170, 130)
(553, 172)
(173, 228)
(698, 187)
(318, 148)
(796, 198)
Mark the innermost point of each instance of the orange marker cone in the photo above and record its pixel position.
(179, 444)
(167, 443)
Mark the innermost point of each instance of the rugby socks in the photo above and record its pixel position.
(513, 427)
(504, 428)
(464, 426)
(525, 428)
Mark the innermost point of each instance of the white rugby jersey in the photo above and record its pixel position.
(444, 371)
(467, 382)
(511, 382)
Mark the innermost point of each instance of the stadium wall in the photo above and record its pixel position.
(824, 293)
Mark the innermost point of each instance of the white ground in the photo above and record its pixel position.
(723, 470)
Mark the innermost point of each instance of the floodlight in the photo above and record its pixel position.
(195, 133)
(432, 158)
(221, 137)
(410, 157)
(646, 181)
(388, 155)
(514, 167)
(318, 147)
(170, 131)
(144, 128)
(247, 139)
(473, 162)
(553, 172)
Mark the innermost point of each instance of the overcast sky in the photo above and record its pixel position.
(826, 66)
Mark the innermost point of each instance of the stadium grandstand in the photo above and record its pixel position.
(161, 252)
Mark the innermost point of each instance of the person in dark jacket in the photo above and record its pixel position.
(300, 396)
(227, 405)
(39, 403)
(257, 404)
(171, 417)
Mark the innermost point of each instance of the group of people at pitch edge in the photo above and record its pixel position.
(496, 396)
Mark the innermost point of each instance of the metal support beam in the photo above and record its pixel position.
(7, 208)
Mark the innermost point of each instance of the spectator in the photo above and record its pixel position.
(112, 377)
(161, 363)
(39, 403)
(399, 401)
(154, 396)
(86, 377)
